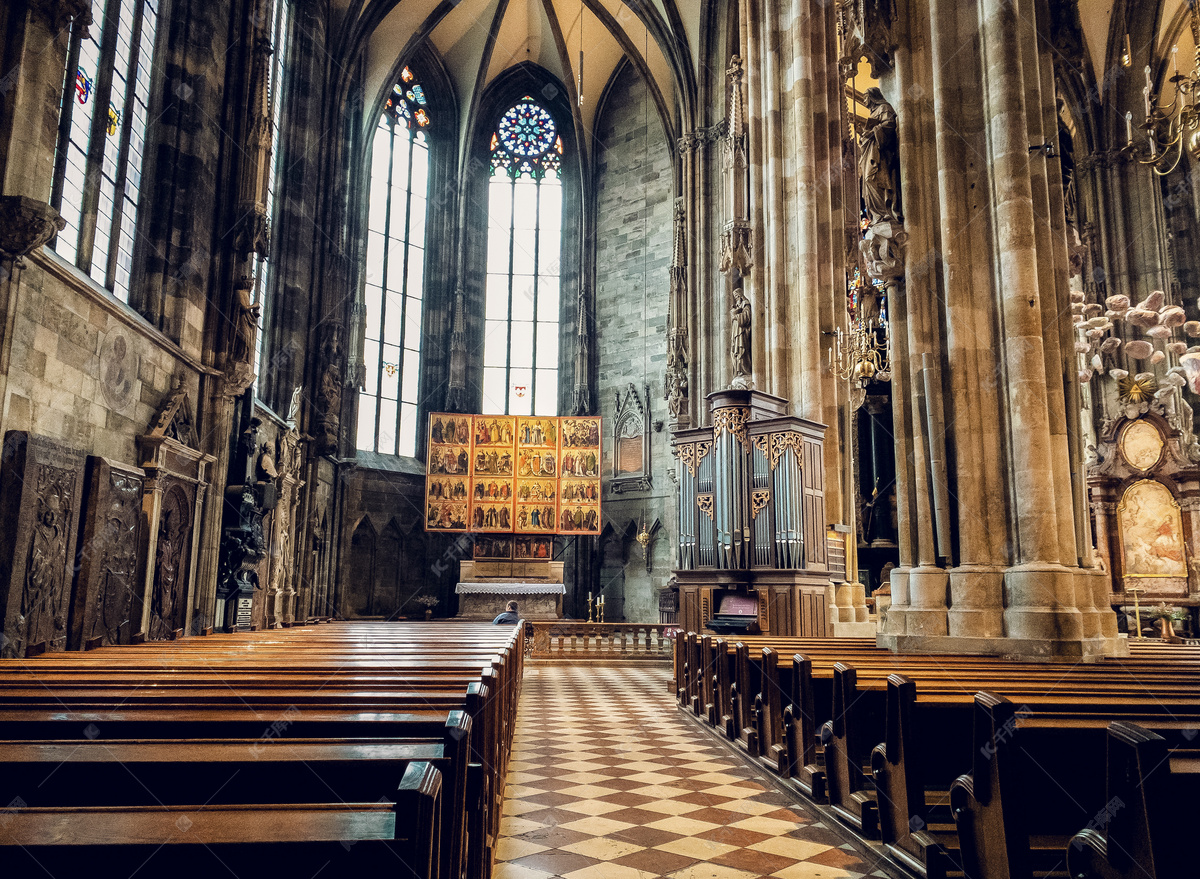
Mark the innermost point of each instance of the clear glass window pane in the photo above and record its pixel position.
(495, 343)
(525, 203)
(365, 439)
(547, 345)
(375, 257)
(548, 245)
(412, 373)
(521, 348)
(393, 317)
(387, 426)
(416, 270)
(373, 298)
(371, 360)
(420, 170)
(496, 306)
(395, 265)
(495, 394)
(546, 401)
(548, 298)
(408, 429)
(500, 203)
(497, 252)
(416, 221)
(524, 241)
(522, 300)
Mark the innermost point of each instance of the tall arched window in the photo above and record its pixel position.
(387, 408)
(520, 352)
(101, 138)
(280, 19)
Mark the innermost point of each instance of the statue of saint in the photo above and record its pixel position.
(879, 161)
(739, 342)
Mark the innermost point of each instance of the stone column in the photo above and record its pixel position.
(1040, 605)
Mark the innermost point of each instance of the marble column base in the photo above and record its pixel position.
(1081, 649)
(925, 613)
(976, 602)
(1040, 603)
(853, 630)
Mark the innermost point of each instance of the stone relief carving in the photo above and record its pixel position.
(118, 584)
(43, 605)
(167, 597)
(118, 371)
(329, 392)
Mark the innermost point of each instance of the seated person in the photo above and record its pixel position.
(509, 617)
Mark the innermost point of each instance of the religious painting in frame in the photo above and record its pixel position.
(579, 506)
(538, 548)
(537, 433)
(448, 480)
(503, 473)
(1151, 530)
(490, 548)
(491, 504)
(495, 431)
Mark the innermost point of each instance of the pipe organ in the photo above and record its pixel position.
(752, 514)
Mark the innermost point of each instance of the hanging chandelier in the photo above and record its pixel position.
(1170, 130)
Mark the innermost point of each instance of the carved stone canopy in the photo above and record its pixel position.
(25, 225)
(170, 443)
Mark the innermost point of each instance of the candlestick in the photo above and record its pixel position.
(1146, 90)
(1129, 128)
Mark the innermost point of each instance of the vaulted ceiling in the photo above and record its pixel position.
(581, 42)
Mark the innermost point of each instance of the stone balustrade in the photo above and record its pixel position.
(577, 640)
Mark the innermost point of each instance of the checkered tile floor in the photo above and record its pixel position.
(607, 781)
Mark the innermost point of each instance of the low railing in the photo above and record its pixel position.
(570, 639)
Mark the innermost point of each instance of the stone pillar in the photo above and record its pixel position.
(39, 34)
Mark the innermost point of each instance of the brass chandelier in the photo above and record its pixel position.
(1170, 130)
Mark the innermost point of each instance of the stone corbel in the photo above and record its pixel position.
(25, 225)
(60, 13)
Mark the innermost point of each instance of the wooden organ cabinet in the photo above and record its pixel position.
(752, 516)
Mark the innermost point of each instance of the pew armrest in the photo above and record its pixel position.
(1087, 856)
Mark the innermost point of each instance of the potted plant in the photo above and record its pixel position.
(429, 602)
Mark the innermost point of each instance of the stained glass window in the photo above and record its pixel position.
(526, 142)
(394, 289)
(102, 131)
(521, 326)
(281, 16)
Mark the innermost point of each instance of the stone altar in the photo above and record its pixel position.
(480, 600)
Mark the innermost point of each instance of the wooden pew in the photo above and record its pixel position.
(1146, 824)
(1030, 789)
(352, 681)
(201, 840)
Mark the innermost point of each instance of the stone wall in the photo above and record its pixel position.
(634, 211)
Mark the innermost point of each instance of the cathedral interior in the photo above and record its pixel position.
(820, 377)
(250, 246)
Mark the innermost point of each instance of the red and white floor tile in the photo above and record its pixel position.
(608, 781)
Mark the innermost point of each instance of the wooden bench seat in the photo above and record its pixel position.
(1145, 830)
(397, 837)
(278, 711)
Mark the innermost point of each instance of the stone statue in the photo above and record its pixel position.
(879, 162)
(739, 340)
(246, 328)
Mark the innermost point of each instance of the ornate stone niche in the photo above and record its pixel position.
(177, 477)
(109, 586)
(1145, 505)
(41, 488)
(631, 442)
(281, 576)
